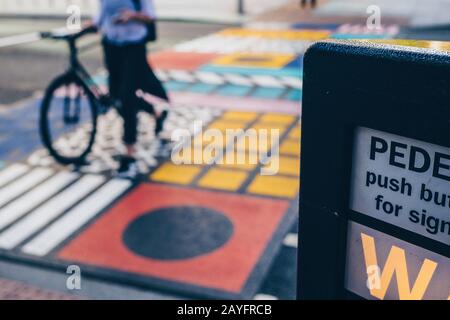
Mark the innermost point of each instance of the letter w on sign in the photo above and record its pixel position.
(396, 263)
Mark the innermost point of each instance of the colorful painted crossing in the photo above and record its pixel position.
(58, 217)
(207, 229)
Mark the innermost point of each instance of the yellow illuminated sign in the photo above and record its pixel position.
(383, 267)
(396, 264)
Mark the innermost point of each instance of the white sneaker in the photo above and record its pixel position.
(127, 168)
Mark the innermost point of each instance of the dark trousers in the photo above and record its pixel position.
(125, 65)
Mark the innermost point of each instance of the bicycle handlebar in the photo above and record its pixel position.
(64, 34)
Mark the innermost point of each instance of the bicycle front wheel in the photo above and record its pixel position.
(68, 120)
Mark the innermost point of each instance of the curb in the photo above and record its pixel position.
(225, 22)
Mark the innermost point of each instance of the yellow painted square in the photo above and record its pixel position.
(269, 127)
(222, 179)
(244, 117)
(295, 133)
(286, 165)
(277, 118)
(255, 60)
(290, 147)
(196, 156)
(245, 144)
(179, 174)
(211, 155)
(223, 125)
(277, 34)
(201, 141)
(250, 162)
(313, 35)
(275, 186)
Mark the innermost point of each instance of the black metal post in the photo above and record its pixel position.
(241, 9)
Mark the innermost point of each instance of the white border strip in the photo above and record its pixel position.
(49, 211)
(76, 218)
(291, 240)
(23, 184)
(10, 173)
(30, 200)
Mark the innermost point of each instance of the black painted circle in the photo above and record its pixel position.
(177, 233)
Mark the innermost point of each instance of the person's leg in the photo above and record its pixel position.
(128, 112)
(129, 108)
(146, 106)
(150, 83)
(112, 59)
(116, 64)
(123, 88)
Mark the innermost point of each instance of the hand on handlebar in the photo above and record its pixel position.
(90, 25)
(125, 16)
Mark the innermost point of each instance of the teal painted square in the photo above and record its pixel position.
(284, 72)
(99, 80)
(294, 95)
(268, 93)
(203, 88)
(345, 36)
(233, 90)
(175, 86)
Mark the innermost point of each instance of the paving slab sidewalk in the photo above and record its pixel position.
(417, 13)
(13, 290)
(346, 11)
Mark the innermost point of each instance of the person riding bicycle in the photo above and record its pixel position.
(124, 30)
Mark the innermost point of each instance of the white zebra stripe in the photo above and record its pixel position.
(266, 297)
(363, 29)
(182, 76)
(49, 211)
(210, 78)
(268, 26)
(76, 218)
(23, 184)
(30, 200)
(232, 44)
(268, 81)
(12, 172)
(237, 79)
(291, 240)
(296, 83)
(161, 75)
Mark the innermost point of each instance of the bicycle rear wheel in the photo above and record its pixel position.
(68, 120)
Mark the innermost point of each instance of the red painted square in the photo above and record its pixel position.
(227, 268)
(188, 61)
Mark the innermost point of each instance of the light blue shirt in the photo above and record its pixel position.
(123, 33)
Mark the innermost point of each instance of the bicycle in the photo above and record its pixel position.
(77, 100)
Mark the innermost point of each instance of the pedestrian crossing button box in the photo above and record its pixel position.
(375, 178)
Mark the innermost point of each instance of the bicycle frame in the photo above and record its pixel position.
(76, 69)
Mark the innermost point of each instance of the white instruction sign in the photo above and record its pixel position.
(402, 181)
